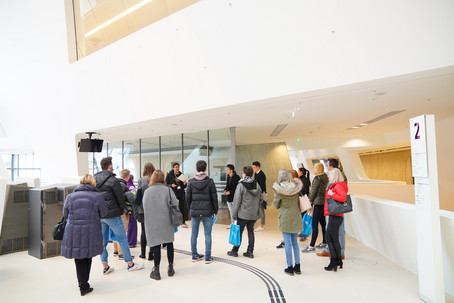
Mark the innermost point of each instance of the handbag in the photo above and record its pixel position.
(234, 236)
(304, 203)
(176, 217)
(137, 205)
(307, 224)
(264, 198)
(59, 230)
(336, 207)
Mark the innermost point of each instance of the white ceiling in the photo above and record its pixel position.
(322, 114)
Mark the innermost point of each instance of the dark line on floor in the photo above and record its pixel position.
(275, 292)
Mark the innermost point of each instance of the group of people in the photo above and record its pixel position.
(99, 203)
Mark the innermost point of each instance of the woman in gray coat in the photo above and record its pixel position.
(157, 201)
(82, 239)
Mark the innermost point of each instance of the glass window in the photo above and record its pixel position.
(195, 149)
(115, 150)
(94, 160)
(102, 22)
(220, 155)
(170, 152)
(131, 157)
(150, 153)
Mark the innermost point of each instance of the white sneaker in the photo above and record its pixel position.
(135, 266)
(184, 225)
(260, 228)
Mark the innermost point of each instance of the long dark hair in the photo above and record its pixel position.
(148, 170)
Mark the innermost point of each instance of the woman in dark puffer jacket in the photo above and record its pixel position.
(82, 239)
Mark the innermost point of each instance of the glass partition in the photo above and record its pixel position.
(114, 150)
(131, 157)
(220, 156)
(170, 152)
(150, 153)
(195, 149)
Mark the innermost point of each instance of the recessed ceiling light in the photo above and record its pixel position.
(355, 126)
(364, 124)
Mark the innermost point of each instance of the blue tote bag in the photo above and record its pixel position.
(234, 237)
(307, 225)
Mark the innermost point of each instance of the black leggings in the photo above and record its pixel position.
(318, 216)
(332, 235)
(157, 253)
(83, 267)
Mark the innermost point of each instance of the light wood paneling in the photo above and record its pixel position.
(272, 157)
(391, 166)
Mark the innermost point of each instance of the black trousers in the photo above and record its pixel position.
(332, 235)
(183, 208)
(250, 234)
(83, 267)
(318, 216)
(143, 240)
(157, 253)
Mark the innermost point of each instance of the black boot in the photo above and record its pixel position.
(170, 270)
(332, 265)
(289, 270)
(150, 256)
(155, 273)
(297, 269)
(340, 263)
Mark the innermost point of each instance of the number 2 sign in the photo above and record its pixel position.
(418, 146)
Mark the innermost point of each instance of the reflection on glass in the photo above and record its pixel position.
(220, 156)
(170, 152)
(114, 150)
(95, 166)
(195, 149)
(150, 153)
(131, 157)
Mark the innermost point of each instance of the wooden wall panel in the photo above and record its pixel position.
(391, 166)
(272, 157)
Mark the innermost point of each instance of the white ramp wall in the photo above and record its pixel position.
(389, 227)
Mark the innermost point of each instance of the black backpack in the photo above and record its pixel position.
(135, 205)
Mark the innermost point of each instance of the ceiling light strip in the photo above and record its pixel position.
(126, 12)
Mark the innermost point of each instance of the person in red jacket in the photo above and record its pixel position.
(337, 189)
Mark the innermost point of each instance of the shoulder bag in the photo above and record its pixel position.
(336, 208)
(304, 203)
(176, 217)
(59, 230)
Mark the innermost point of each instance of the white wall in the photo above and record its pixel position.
(389, 227)
(209, 51)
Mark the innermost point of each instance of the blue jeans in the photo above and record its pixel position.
(207, 226)
(341, 237)
(117, 227)
(291, 242)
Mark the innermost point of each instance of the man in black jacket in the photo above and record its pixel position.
(114, 197)
(260, 177)
(202, 201)
(229, 190)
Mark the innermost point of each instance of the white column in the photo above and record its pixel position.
(424, 168)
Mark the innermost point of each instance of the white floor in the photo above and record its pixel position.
(367, 276)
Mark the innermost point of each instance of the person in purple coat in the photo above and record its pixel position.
(82, 239)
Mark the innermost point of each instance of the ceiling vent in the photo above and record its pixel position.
(278, 130)
(387, 115)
